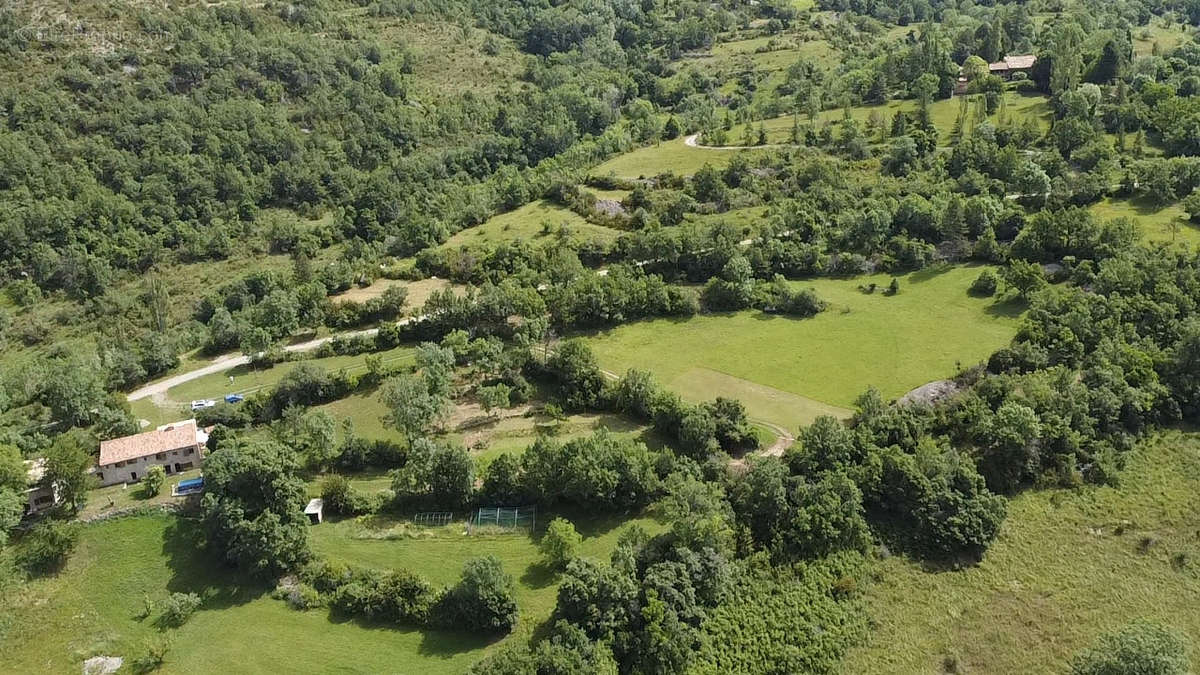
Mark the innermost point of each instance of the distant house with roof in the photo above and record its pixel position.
(1011, 65)
(1006, 68)
(39, 496)
(175, 447)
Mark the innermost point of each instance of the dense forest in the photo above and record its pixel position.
(215, 186)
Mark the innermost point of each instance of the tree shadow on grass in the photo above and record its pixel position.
(198, 571)
(543, 629)
(928, 273)
(1008, 308)
(1143, 205)
(449, 643)
(434, 642)
(762, 315)
(653, 440)
(538, 575)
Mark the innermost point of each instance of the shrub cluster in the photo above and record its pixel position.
(482, 600)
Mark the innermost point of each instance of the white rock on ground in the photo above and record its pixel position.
(930, 393)
(102, 665)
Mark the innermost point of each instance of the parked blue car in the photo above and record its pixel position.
(234, 398)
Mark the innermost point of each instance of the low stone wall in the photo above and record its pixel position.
(175, 507)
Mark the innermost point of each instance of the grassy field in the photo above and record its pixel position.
(1062, 571)
(615, 195)
(452, 56)
(662, 157)
(439, 554)
(529, 223)
(248, 380)
(512, 433)
(943, 113)
(90, 608)
(746, 220)
(1167, 37)
(770, 53)
(418, 291)
(790, 370)
(1156, 222)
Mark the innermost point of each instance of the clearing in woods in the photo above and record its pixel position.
(530, 222)
(668, 156)
(1158, 223)
(894, 343)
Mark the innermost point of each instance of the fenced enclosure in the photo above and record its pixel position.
(433, 518)
(505, 517)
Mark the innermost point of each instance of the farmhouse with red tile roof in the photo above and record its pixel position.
(176, 447)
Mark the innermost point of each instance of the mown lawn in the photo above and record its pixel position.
(1067, 566)
(536, 220)
(789, 370)
(91, 608)
(1158, 223)
(114, 497)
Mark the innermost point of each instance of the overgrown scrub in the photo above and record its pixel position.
(153, 657)
(178, 608)
(341, 498)
(796, 619)
(46, 547)
(1140, 647)
(481, 601)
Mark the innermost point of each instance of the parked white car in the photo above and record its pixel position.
(203, 403)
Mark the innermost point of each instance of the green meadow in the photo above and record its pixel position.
(94, 605)
(247, 380)
(1158, 223)
(536, 220)
(1068, 565)
(674, 156)
(488, 437)
(438, 554)
(788, 370)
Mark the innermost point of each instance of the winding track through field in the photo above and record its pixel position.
(158, 390)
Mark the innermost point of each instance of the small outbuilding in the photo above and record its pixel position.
(315, 510)
(39, 495)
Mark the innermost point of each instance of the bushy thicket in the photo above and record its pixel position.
(482, 600)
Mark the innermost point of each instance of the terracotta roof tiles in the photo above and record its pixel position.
(173, 436)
